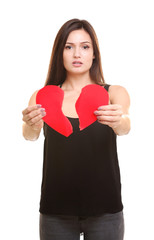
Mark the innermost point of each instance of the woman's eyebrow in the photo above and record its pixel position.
(80, 42)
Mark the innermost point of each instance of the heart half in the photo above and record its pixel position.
(92, 96)
(51, 98)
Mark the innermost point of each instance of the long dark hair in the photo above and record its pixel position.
(56, 72)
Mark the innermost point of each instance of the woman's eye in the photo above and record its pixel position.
(68, 47)
(85, 47)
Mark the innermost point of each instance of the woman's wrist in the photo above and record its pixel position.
(30, 133)
(123, 127)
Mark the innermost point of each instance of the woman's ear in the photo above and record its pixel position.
(93, 55)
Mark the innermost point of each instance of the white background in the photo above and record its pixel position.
(126, 36)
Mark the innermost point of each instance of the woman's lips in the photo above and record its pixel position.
(77, 63)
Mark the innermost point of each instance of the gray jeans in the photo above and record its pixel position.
(61, 227)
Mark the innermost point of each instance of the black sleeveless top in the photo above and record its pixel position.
(81, 174)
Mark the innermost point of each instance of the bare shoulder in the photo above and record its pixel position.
(118, 94)
(32, 100)
(114, 89)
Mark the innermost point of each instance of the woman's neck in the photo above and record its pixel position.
(77, 82)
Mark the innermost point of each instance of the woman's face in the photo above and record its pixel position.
(78, 52)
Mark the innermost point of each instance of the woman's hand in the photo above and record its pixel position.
(116, 114)
(33, 115)
(110, 115)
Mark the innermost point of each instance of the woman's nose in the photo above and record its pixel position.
(76, 52)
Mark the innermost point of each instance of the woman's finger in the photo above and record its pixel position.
(36, 119)
(110, 107)
(108, 113)
(35, 113)
(108, 118)
(31, 108)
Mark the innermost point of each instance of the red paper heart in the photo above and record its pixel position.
(92, 96)
(51, 98)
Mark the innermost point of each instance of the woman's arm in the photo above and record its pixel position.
(32, 117)
(116, 114)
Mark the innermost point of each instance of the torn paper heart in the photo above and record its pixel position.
(51, 98)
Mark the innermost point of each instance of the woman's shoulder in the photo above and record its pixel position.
(117, 91)
(116, 88)
(32, 100)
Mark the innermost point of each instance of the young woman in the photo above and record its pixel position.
(81, 188)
